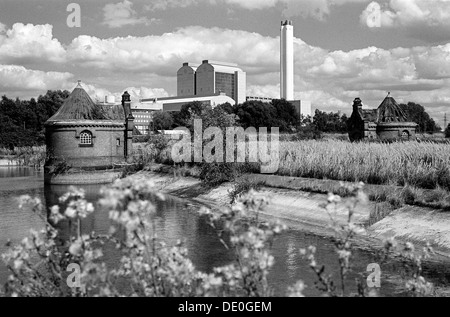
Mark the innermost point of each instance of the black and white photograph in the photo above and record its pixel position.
(225, 153)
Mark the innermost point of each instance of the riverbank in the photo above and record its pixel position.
(8, 162)
(83, 178)
(302, 210)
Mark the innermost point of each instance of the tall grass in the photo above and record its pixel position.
(423, 165)
(417, 164)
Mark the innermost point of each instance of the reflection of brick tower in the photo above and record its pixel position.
(287, 60)
(129, 122)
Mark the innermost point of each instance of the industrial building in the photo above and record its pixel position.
(144, 109)
(212, 78)
(214, 83)
(211, 83)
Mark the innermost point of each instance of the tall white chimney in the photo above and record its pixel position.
(287, 60)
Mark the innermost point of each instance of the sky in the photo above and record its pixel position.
(343, 48)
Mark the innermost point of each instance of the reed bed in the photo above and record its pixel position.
(419, 164)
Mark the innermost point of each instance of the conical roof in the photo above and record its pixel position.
(113, 112)
(390, 111)
(78, 106)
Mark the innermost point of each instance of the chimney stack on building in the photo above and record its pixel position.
(129, 123)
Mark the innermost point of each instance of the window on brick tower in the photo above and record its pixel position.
(85, 137)
(405, 135)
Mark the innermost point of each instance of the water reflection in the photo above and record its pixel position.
(175, 220)
(15, 224)
(16, 171)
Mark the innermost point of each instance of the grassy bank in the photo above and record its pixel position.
(409, 173)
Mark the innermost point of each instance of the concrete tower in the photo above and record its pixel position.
(287, 60)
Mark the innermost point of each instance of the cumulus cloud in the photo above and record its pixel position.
(422, 18)
(121, 14)
(268, 91)
(98, 93)
(137, 93)
(163, 54)
(19, 78)
(318, 9)
(254, 4)
(27, 42)
(411, 12)
(161, 5)
(148, 65)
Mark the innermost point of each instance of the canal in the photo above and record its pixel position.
(177, 220)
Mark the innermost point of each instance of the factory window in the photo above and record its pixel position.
(85, 139)
(117, 142)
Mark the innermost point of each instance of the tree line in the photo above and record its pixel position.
(257, 114)
(282, 114)
(22, 121)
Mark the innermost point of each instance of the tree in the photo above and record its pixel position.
(287, 115)
(416, 113)
(181, 117)
(23, 121)
(330, 122)
(162, 120)
(227, 107)
(211, 117)
(52, 101)
(256, 114)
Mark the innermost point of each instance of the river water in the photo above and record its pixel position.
(177, 219)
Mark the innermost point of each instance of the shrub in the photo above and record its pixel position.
(141, 138)
(307, 132)
(243, 186)
(58, 166)
(408, 196)
(214, 174)
(159, 141)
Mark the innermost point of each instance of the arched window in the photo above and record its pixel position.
(405, 135)
(86, 138)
